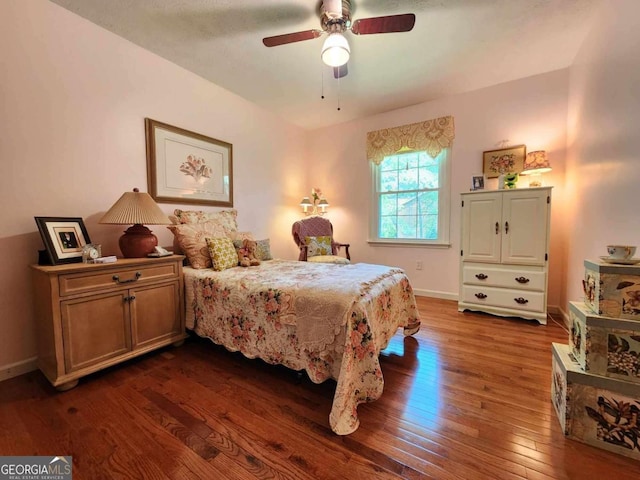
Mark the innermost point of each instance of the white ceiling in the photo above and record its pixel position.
(455, 46)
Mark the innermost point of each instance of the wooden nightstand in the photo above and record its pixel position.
(92, 316)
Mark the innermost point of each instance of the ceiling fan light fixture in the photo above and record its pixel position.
(335, 51)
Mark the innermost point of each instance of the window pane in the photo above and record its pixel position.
(389, 204)
(388, 227)
(408, 179)
(407, 227)
(426, 160)
(429, 177)
(389, 163)
(407, 203)
(428, 227)
(389, 181)
(428, 203)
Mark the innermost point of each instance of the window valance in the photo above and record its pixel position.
(430, 136)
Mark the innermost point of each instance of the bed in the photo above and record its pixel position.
(330, 321)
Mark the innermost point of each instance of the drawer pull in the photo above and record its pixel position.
(506, 227)
(522, 280)
(497, 228)
(481, 296)
(481, 276)
(116, 279)
(521, 300)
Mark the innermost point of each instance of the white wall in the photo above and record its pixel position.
(73, 98)
(532, 111)
(603, 178)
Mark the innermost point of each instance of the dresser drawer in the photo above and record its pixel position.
(75, 283)
(505, 298)
(515, 278)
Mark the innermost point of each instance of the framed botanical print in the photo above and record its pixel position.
(503, 160)
(188, 167)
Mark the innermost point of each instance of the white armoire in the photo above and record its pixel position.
(504, 255)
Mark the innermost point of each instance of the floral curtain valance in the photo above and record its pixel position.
(431, 136)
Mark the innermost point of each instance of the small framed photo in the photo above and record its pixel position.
(477, 182)
(63, 237)
(503, 160)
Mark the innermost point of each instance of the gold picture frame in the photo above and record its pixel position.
(188, 167)
(503, 160)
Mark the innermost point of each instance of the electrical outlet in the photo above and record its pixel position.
(418, 265)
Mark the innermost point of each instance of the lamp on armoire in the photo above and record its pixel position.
(536, 164)
(136, 208)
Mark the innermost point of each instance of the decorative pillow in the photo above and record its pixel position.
(329, 259)
(318, 245)
(263, 250)
(227, 218)
(191, 238)
(223, 253)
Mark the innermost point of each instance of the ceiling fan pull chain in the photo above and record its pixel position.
(338, 93)
(322, 83)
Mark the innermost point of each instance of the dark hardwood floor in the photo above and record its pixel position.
(466, 398)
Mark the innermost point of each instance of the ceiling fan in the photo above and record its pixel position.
(335, 19)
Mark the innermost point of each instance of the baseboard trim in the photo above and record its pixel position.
(18, 368)
(435, 294)
(563, 316)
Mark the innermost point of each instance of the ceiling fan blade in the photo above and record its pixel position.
(341, 71)
(388, 24)
(291, 38)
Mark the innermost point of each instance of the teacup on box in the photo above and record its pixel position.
(621, 252)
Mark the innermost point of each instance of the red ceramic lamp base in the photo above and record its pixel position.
(137, 242)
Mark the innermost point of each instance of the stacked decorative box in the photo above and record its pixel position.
(595, 387)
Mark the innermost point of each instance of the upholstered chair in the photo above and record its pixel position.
(314, 237)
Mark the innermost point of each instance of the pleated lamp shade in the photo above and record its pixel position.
(136, 208)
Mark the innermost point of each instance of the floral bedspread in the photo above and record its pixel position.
(263, 312)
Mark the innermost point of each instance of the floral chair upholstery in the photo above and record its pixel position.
(316, 227)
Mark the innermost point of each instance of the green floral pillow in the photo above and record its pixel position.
(223, 253)
(263, 250)
(318, 245)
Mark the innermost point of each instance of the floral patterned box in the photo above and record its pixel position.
(605, 346)
(612, 290)
(599, 411)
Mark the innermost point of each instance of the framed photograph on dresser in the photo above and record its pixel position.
(477, 182)
(63, 238)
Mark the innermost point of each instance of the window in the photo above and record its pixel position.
(411, 199)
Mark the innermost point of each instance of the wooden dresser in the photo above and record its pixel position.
(504, 256)
(91, 316)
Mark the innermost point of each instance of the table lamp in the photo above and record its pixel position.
(136, 208)
(535, 164)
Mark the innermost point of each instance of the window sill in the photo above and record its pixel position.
(407, 243)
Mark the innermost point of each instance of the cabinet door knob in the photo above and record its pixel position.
(481, 295)
(129, 298)
(506, 227)
(522, 280)
(116, 278)
(481, 276)
(521, 301)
